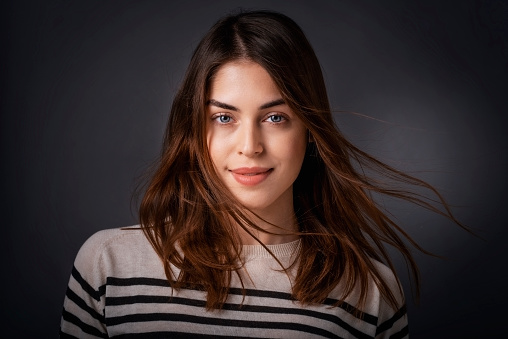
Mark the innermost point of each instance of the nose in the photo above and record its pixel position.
(250, 140)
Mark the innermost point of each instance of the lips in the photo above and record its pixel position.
(250, 176)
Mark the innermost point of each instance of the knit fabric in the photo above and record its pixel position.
(118, 289)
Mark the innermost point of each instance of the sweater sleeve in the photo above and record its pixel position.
(392, 323)
(83, 309)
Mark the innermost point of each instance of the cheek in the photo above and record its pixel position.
(210, 142)
(296, 150)
(299, 155)
(217, 149)
(214, 152)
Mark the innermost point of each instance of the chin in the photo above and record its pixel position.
(259, 203)
(254, 202)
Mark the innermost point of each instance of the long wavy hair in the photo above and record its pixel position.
(191, 220)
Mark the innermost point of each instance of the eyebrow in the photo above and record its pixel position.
(233, 108)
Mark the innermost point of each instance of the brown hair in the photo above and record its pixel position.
(189, 217)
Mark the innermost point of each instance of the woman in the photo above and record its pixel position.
(258, 220)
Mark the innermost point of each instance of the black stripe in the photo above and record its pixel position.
(137, 281)
(96, 294)
(145, 317)
(389, 323)
(147, 299)
(401, 334)
(174, 335)
(83, 305)
(370, 319)
(71, 318)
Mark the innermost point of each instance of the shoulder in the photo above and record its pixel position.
(114, 252)
(391, 321)
(113, 236)
(392, 282)
(376, 303)
(390, 279)
(116, 239)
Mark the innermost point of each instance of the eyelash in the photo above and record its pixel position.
(216, 118)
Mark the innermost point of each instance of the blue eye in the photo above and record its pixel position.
(224, 119)
(276, 118)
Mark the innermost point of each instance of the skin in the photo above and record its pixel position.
(257, 144)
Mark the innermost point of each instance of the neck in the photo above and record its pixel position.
(279, 220)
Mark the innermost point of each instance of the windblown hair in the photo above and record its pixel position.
(191, 219)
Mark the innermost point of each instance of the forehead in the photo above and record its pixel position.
(237, 78)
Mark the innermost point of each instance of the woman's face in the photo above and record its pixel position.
(256, 142)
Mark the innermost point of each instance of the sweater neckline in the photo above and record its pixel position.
(279, 250)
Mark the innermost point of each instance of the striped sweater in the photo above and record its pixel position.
(118, 289)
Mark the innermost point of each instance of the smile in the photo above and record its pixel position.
(250, 176)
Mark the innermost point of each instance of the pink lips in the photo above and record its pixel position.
(250, 176)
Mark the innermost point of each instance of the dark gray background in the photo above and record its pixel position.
(87, 85)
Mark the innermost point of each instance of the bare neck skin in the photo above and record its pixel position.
(280, 213)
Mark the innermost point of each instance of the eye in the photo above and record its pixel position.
(276, 118)
(222, 118)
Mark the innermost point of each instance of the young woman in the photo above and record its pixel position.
(258, 220)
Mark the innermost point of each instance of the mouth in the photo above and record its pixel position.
(250, 176)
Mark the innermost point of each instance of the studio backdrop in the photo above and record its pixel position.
(86, 91)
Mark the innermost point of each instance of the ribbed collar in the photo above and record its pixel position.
(279, 250)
